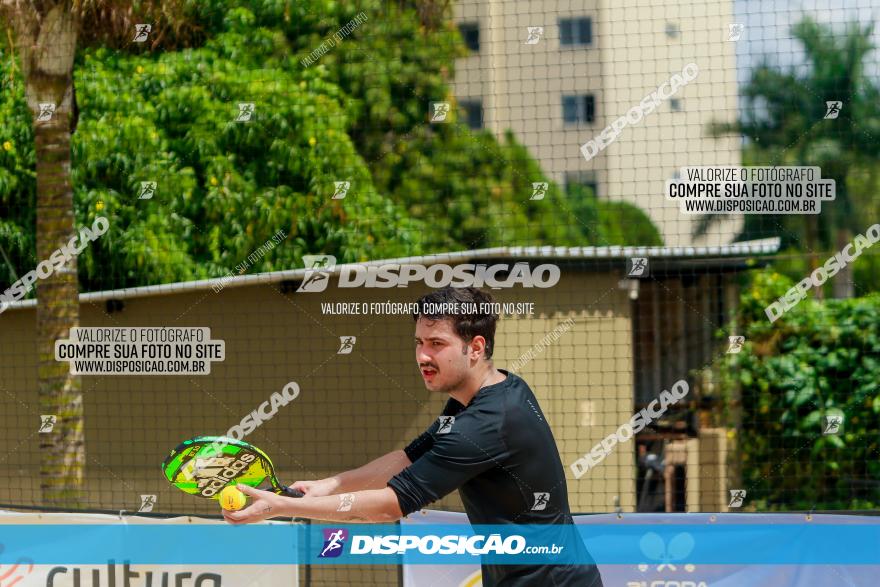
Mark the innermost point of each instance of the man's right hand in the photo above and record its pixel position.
(318, 488)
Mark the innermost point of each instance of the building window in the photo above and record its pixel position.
(672, 30)
(578, 109)
(575, 31)
(470, 32)
(581, 178)
(472, 113)
(675, 104)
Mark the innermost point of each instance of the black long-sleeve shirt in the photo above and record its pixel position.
(499, 452)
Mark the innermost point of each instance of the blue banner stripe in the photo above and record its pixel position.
(728, 544)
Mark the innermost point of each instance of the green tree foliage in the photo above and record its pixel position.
(783, 120)
(474, 193)
(621, 223)
(18, 186)
(819, 359)
(224, 187)
(359, 113)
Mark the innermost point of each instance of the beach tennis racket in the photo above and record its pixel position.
(204, 465)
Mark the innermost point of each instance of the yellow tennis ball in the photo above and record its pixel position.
(232, 499)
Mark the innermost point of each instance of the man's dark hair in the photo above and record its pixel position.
(477, 320)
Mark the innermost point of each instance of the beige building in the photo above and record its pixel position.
(619, 341)
(590, 63)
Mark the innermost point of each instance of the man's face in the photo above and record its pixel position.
(444, 358)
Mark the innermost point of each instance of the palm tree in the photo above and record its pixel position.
(46, 34)
(784, 122)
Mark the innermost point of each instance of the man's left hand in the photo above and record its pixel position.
(265, 505)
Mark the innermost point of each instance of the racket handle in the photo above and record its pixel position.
(290, 492)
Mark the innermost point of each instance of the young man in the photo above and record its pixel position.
(492, 443)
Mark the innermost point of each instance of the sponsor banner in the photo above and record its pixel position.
(666, 554)
(468, 575)
(22, 567)
(131, 575)
(643, 539)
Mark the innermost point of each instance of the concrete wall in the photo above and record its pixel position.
(352, 408)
